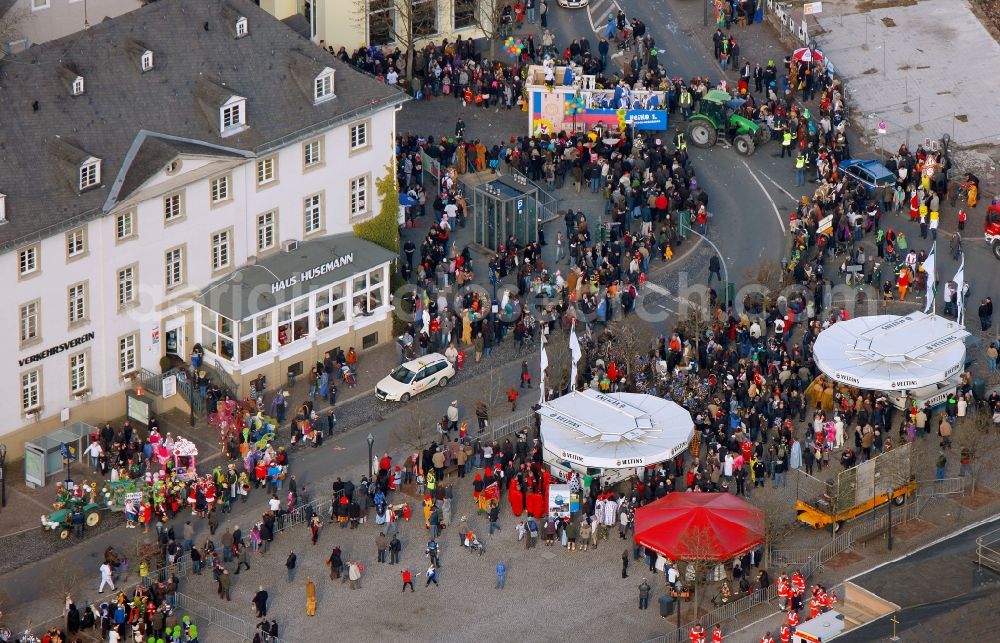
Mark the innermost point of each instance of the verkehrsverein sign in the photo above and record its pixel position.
(310, 274)
(55, 350)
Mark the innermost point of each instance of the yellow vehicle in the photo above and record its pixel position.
(856, 491)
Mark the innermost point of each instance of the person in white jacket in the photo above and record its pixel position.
(106, 578)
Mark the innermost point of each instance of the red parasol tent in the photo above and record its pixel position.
(699, 526)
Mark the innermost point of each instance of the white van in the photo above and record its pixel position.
(415, 376)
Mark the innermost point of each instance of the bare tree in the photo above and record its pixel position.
(980, 443)
(560, 362)
(625, 346)
(402, 22)
(700, 546)
(10, 25)
(769, 277)
(418, 433)
(488, 17)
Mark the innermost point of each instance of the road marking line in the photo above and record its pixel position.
(774, 205)
(658, 289)
(773, 182)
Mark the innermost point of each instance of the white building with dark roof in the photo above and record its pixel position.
(188, 173)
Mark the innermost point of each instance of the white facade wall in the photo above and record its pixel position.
(105, 255)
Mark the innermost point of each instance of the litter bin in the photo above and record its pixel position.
(666, 605)
(979, 388)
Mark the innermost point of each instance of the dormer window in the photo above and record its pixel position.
(323, 86)
(241, 27)
(146, 62)
(77, 86)
(90, 174)
(233, 115)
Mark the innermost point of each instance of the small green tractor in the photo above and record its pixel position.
(717, 113)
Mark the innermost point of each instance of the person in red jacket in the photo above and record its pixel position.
(767, 638)
(717, 634)
(407, 579)
(785, 634)
(697, 633)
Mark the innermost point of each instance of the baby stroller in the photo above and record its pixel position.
(623, 38)
(472, 543)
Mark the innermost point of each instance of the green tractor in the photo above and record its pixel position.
(716, 114)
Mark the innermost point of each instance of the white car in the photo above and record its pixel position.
(415, 376)
(573, 4)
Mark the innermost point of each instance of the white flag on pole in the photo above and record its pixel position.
(575, 355)
(543, 365)
(929, 268)
(960, 288)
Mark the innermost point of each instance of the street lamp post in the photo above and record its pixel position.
(3, 475)
(722, 260)
(371, 444)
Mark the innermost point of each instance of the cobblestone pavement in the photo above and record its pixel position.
(550, 592)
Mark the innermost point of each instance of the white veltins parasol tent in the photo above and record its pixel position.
(614, 430)
(891, 352)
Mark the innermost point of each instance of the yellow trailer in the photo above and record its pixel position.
(855, 491)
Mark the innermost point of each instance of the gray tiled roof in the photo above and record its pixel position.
(197, 60)
(248, 291)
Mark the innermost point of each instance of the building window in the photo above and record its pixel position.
(465, 13)
(126, 354)
(90, 174)
(255, 336)
(171, 207)
(313, 210)
(241, 27)
(147, 60)
(323, 87)
(359, 135)
(38, 5)
(75, 243)
(265, 171)
(312, 153)
(381, 22)
(220, 189)
(174, 266)
(331, 305)
(29, 321)
(359, 196)
(220, 250)
(77, 303)
(265, 231)
(31, 390)
(368, 291)
(216, 333)
(293, 321)
(424, 16)
(77, 86)
(233, 115)
(126, 286)
(78, 373)
(27, 260)
(124, 227)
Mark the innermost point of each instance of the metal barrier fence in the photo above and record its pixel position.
(213, 616)
(943, 487)
(988, 550)
(514, 424)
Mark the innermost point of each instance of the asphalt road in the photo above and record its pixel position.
(751, 198)
(941, 591)
(748, 205)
